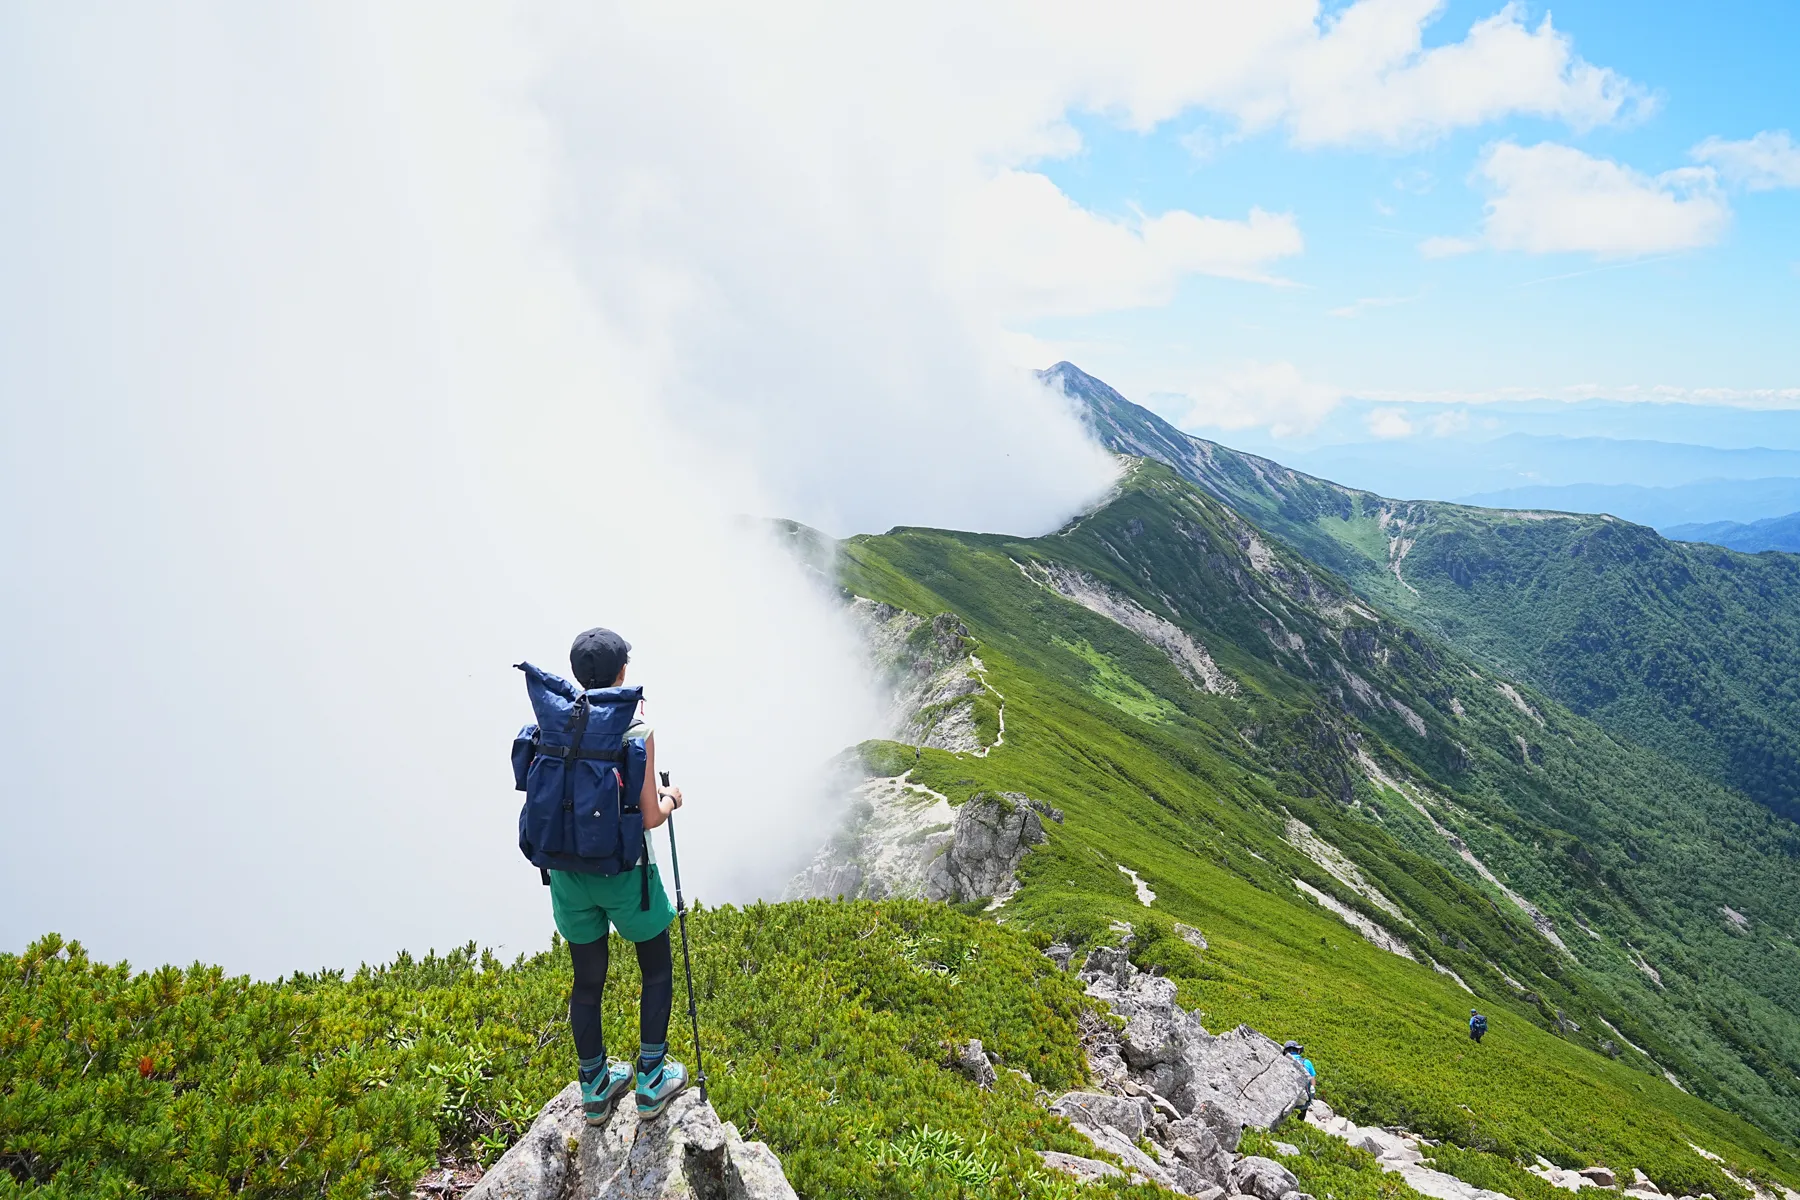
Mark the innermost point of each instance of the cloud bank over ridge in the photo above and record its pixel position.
(352, 354)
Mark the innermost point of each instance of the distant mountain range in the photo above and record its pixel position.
(1687, 648)
(1774, 533)
(1709, 501)
(1442, 468)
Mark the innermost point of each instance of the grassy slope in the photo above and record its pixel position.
(1692, 649)
(828, 1033)
(1195, 801)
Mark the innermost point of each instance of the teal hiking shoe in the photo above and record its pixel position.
(655, 1090)
(601, 1094)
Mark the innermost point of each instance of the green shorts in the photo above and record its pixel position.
(584, 905)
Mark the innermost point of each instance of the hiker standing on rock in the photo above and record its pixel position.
(1477, 1026)
(588, 769)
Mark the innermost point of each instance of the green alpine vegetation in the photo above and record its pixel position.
(1550, 866)
(829, 1030)
(1686, 647)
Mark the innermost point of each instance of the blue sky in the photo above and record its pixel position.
(1369, 314)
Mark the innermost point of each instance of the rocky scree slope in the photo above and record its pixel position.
(1689, 649)
(1373, 775)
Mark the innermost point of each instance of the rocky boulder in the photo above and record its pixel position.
(972, 1060)
(1129, 1115)
(1245, 1073)
(1263, 1178)
(991, 834)
(1242, 1075)
(1085, 1170)
(1137, 1163)
(685, 1154)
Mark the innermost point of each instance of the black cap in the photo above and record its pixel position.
(597, 657)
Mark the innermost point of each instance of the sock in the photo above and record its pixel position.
(592, 1067)
(650, 1057)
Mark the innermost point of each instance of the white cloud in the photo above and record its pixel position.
(1389, 423)
(1550, 198)
(1274, 395)
(1368, 78)
(393, 343)
(1032, 251)
(1769, 160)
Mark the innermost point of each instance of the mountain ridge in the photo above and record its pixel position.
(1738, 500)
(1689, 648)
(1754, 537)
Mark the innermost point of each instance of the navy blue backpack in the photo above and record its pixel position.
(582, 778)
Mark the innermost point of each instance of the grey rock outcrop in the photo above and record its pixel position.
(990, 837)
(1264, 1178)
(974, 1063)
(1137, 1163)
(1197, 1145)
(900, 839)
(1166, 1078)
(892, 832)
(1129, 1115)
(1085, 1170)
(1247, 1075)
(686, 1154)
(931, 673)
(1241, 1077)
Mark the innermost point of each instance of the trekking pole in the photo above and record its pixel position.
(687, 964)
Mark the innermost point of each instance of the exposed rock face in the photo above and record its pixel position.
(991, 835)
(974, 1063)
(1237, 1079)
(1263, 1178)
(1086, 1170)
(1165, 1077)
(1129, 1115)
(931, 671)
(1247, 1076)
(901, 839)
(685, 1154)
(890, 836)
(1188, 656)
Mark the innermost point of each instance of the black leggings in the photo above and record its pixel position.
(658, 970)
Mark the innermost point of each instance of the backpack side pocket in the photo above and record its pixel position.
(524, 749)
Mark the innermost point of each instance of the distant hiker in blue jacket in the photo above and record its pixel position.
(588, 769)
(1477, 1026)
(1297, 1052)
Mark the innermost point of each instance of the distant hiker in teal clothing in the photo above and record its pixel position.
(588, 771)
(1477, 1026)
(1297, 1052)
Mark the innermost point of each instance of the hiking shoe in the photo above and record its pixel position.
(601, 1094)
(655, 1090)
